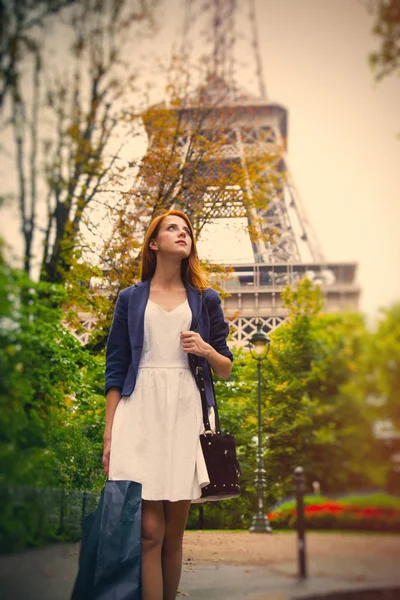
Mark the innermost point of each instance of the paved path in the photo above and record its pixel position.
(48, 573)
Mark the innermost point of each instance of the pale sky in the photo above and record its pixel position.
(343, 150)
(342, 147)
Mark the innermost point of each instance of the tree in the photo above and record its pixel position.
(19, 24)
(81, 169)
(70, 123)
(386, 60)
(316, 420)
(383, 365)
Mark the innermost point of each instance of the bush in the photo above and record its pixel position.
(373, 512)
(227, 514)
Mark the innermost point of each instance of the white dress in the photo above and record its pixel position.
(155, 433)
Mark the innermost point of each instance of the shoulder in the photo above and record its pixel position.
(124, 296)
(126, 292)
(211, 298)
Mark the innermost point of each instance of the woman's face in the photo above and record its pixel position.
(173, 237)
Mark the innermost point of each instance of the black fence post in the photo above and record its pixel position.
(301, 526)
(201, 517)
(84, 502)
(62, 509)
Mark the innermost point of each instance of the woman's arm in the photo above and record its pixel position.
(221, 365)
(112, 399)
(118, 356)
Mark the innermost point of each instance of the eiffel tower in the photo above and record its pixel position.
(286, 249)
(256, 125)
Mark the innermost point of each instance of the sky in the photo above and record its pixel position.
(343, 135)
(343, 151)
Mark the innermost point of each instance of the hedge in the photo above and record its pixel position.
(374, 512)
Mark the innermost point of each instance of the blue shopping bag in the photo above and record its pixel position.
(110, 559)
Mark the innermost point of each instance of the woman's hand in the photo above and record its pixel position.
(106, 454)
(193, 342)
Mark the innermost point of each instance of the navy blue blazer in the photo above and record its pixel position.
(125, 340)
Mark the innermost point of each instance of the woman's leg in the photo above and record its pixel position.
(153, 529)
(176, 514)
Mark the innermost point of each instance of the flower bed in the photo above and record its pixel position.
(375, 512)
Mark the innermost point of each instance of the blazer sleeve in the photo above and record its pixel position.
(219, 328)
(118, 350)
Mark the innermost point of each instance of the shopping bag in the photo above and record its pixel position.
(110, 558)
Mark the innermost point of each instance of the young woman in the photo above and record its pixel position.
(162, 328)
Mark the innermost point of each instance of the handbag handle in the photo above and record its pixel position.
(202, 387)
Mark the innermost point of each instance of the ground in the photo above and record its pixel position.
(224, 565)
(330, 554)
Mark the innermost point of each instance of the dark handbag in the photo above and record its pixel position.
(110, 558)
(219, 452)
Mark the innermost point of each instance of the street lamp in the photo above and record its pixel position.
(260, 522)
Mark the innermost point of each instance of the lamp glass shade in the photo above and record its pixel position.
(259, 340)
(259, 347)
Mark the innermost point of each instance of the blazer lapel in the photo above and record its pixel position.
(194, 299)
(136, 309)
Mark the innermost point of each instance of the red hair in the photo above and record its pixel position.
(191, 272)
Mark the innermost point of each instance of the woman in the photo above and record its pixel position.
(162, 328)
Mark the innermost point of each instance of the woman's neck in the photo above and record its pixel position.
(167, 275)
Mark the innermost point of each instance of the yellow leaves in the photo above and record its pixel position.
(253, 233)
(252, 420)
(281, 386)
(304, 299)
(74, 131)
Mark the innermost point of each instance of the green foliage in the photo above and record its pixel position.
(49, 388)
(227, 514)
(384, 363)
(39, 362)
(76, 438)
(315, 421)
(51, 411)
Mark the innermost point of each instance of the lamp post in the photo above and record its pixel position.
(260, 522)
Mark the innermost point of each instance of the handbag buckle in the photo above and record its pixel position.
(208, 432)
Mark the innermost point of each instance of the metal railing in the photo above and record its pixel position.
(31, 514)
